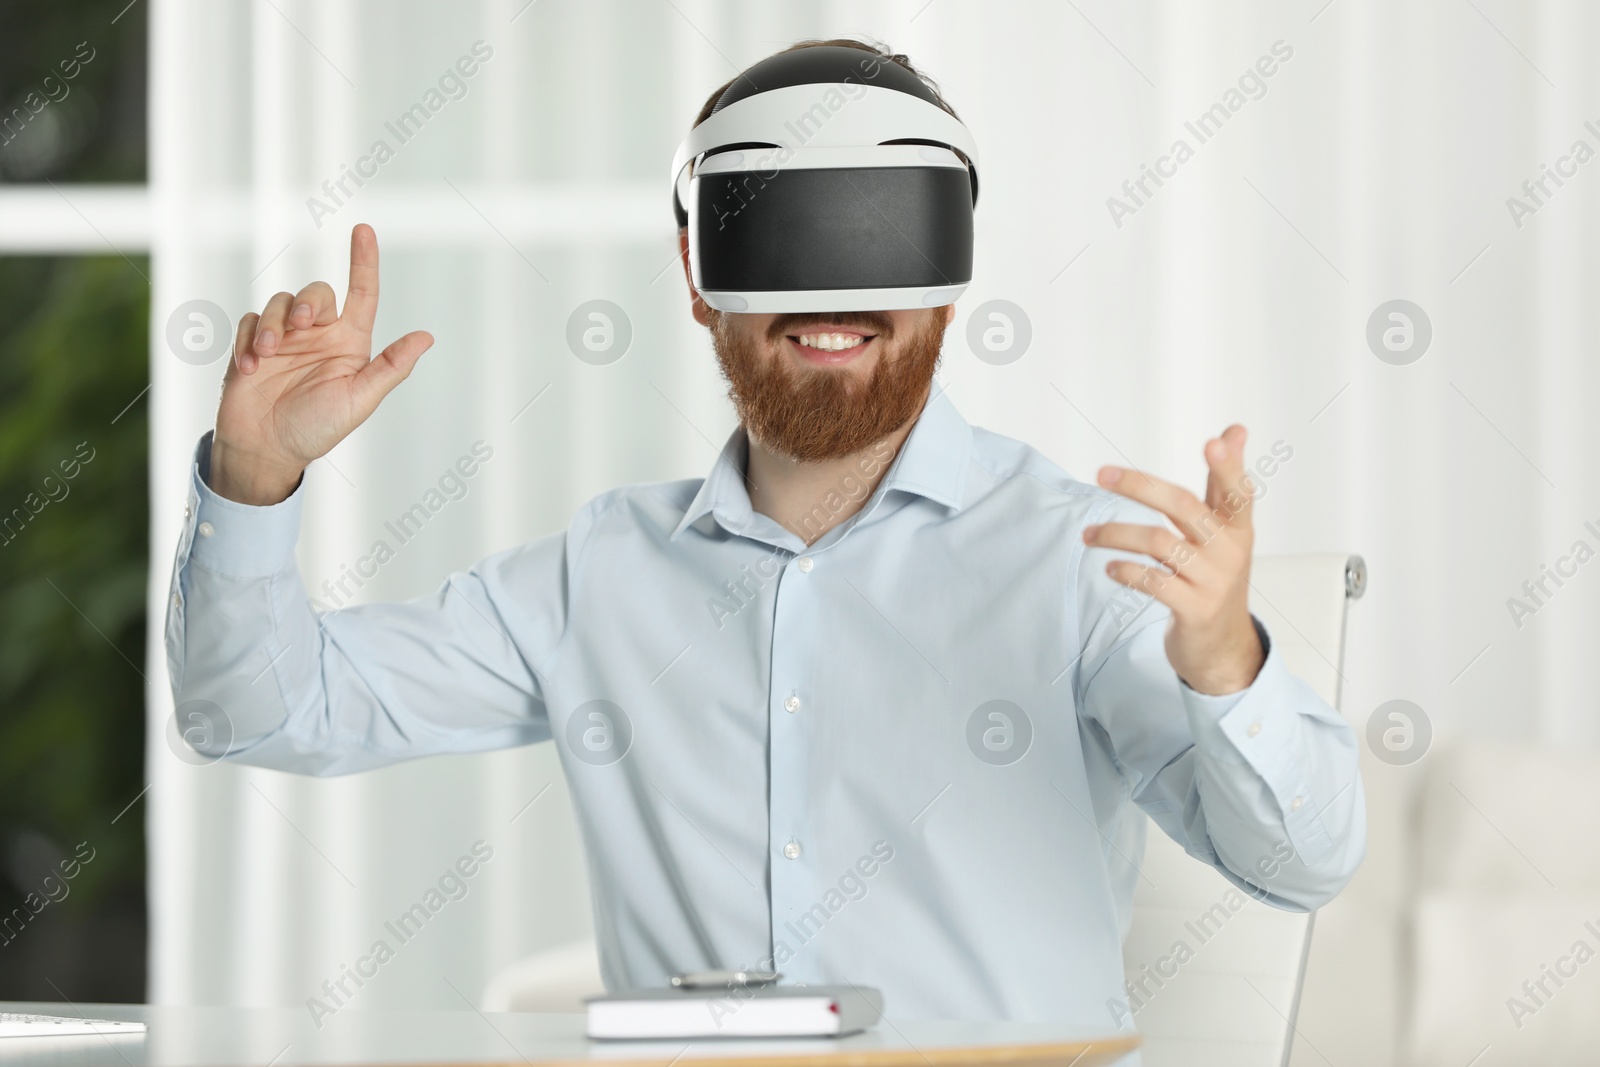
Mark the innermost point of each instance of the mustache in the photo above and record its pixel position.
(874, 322)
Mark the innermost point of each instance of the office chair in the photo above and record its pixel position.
(556, 979)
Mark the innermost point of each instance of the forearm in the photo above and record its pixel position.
(237, 610)
(1262, 784)
(361, 687)
(1278, 787)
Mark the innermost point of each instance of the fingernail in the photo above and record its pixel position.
(302, 311)
(1109, 476)
(265, 339)
(1090, 531)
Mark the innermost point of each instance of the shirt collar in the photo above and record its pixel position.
(931, 464)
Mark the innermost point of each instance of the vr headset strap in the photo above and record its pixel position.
(868, 115)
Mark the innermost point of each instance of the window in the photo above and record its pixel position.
(74, 514)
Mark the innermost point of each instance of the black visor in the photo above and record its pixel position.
(856, 228)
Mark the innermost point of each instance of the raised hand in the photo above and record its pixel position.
(301, 379)
(1204, 575)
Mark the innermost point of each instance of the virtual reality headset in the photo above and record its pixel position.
(827, 179)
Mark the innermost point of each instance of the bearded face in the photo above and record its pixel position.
(819, 386)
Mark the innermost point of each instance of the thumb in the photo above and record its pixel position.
(391, 367)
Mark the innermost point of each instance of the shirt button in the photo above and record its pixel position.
(792, 850)
(792, 704)
(205, 529)
(186, 511)
(1255, 728)
(177, 600)
(1296, 803)
(804, 563)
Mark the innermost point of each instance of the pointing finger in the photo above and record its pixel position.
(361, 302)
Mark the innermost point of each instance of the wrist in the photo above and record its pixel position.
(236, 474)
(1232, 671)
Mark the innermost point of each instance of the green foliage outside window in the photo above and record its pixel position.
(74, 546)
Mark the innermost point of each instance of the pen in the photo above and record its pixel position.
(723, 979)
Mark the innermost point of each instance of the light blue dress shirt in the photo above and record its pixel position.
(902, 756)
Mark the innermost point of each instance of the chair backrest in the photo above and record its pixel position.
(1219, 974)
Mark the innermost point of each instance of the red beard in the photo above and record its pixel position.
(820, 415)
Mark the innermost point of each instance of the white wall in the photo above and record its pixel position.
(1376, 166)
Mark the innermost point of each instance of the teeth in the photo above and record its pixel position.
(830, 342)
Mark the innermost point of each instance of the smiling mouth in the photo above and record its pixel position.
(831, 346)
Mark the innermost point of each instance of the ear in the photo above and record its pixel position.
(697, 306)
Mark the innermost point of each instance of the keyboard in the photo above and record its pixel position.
(15, 1025)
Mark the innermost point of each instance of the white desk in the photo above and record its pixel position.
(235, 1037)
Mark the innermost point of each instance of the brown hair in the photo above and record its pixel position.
(877, 48)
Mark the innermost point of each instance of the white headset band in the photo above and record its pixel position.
(862, 115)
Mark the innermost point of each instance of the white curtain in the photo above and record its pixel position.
(1373, 164)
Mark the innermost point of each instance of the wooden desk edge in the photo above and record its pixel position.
(1100, 1051)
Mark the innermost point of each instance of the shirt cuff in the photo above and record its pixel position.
(1260, 727)
(239, 540)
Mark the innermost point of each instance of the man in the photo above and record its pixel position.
(870, 703)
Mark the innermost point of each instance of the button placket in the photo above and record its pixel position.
(795, 644)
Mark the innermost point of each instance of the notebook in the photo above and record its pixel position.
(735, 1011)
(13, 1024)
